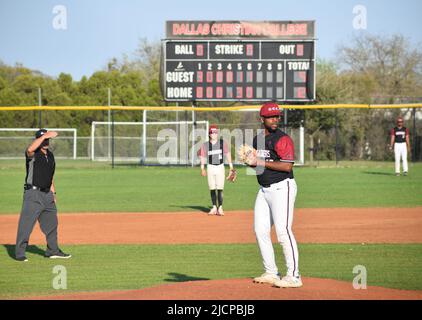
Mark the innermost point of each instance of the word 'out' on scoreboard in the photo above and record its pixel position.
(238, 61)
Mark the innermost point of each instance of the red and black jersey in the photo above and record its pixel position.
(399, 134)
(215, 152)
(278, 147)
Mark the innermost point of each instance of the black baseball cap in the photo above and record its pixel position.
(40, 133)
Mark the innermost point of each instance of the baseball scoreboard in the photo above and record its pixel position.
(238, 61)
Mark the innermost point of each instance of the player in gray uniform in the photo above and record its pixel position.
(39, 200)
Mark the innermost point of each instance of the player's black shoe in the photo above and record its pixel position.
(59, 255)
(405, 173)
(23, 259)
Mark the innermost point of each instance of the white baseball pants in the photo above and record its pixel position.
(274, 206)
(400, 150)
(215, 174)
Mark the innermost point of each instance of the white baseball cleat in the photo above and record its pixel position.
(267, 278)
(220, 211)
(289, 282)
(213, 211)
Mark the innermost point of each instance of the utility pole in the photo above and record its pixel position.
(112, 139)
(108, 123)
(336, 133)
(414, 136)
(193, 132)
(39, 112)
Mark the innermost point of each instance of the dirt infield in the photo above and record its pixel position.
(245, 289)
(335, 225)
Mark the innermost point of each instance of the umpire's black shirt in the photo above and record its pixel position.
(40, 169)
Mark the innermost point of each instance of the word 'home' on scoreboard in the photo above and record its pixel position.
(238, 61)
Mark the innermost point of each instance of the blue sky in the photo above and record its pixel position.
(98, 30)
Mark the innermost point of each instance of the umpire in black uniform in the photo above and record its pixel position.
(39, 200)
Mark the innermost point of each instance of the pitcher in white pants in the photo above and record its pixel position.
(401, 143)
(274, 206)
(275, 200)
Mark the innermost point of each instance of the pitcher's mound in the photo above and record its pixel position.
(245, 289)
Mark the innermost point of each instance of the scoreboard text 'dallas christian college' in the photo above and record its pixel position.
(238, 61)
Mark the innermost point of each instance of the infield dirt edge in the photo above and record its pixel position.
(322, 225)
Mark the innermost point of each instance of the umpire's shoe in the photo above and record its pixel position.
(23, 259)
(59, 255)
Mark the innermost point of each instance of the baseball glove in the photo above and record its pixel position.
(247, 155)
(232, 175)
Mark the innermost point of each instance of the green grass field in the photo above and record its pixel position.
(119, 267)
(83, 186)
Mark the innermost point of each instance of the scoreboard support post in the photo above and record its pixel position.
(177, 131)
(185, 129)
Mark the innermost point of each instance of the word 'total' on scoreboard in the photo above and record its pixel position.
(238, 61)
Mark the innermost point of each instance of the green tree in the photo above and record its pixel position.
(65, 82)
(391, 61)
(377, 69)
(3, 83)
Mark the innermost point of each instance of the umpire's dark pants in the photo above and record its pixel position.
(37, 205)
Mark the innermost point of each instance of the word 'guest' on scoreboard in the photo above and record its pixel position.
(238, 61)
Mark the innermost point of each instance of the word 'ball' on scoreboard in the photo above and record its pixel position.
(249, 61)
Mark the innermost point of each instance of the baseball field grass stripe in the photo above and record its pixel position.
(119, 267)
(83, 186)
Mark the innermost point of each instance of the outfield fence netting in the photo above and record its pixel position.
(172, 136)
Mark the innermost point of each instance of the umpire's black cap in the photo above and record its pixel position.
(40, 133)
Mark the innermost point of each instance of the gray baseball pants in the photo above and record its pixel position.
(37, 205)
